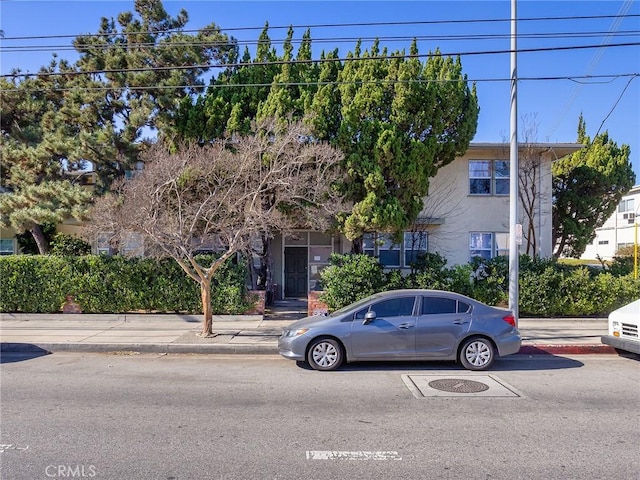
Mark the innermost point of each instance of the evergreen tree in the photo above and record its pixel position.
(587, 188)
(399, 121)
(128, 82)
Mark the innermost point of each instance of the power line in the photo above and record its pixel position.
(624, 8)
(303, 62)
(614, 105)
(337, 25)
(594, 79)
(322, 40)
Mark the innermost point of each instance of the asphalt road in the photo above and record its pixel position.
(237, 417)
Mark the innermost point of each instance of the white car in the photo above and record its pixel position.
(624, 326)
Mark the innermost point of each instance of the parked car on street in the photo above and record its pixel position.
(624, 328)
(404, 325)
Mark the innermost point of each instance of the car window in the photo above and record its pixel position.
(464, 307)
(350, 307)
(438, 305)
(361, 313)
(394, 307)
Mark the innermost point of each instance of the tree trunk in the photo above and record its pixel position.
(268, 270)
(205, 293)
(559, 247)
(357, 245)
(41, 241)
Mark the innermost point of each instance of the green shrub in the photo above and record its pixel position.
(104, 284)
(540, 291)
(547, 288)
(490, 280)
(69, 245)
(429, 271)
(349, 278)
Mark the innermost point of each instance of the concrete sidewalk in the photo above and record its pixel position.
(242, 334)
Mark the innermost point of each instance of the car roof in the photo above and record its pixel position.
(427, 292)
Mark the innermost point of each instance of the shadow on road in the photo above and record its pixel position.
(511, 363)
(19, 352)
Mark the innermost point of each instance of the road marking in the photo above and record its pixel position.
(343, 455)
(5, 447)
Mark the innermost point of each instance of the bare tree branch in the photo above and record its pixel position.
(224, 195)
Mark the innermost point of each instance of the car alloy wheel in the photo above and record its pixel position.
(325, 354)
(477, 354)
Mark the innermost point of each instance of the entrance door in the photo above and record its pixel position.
(295, 271)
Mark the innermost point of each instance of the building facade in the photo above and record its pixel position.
(619, 231)
(465, 215)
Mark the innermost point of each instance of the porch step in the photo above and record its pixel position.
(287, 309)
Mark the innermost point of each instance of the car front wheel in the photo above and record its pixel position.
(477, 354)
(325, 354)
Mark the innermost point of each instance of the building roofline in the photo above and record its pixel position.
(557, 150)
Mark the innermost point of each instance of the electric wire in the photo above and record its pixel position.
(350, 58)
(339, 25)
(321, 40)
(624, 8)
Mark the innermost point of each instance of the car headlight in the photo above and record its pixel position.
(294, 333)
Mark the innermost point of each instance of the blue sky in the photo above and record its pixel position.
(610, 102)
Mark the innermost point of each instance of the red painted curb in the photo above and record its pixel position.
(565, 349)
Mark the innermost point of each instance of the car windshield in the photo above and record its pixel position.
(352, 306)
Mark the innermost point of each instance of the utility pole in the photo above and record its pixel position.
(513, 173)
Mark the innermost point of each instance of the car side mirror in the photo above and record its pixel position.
(369, 317)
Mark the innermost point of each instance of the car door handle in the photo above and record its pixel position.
(405, 325)
(460, 322)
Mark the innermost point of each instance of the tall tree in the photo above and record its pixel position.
(233, 98)
(128, 81)
(395, 118)
(147, 64)
(223, 195)
(43, 149)
(400, 121)
(587, 187)
(531, 176)
(293, 87)
(267, 86)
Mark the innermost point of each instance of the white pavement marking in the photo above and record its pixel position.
(358, 455)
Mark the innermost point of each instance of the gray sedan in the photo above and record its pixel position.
(404, 325)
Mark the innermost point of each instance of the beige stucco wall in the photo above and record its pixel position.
(460, 213)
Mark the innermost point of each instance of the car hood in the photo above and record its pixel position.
(308, 322)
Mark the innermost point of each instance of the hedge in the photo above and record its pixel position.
(114, 284)
(546, 288)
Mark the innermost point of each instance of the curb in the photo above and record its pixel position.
(137, 348)
(177, 348)
(565, 349)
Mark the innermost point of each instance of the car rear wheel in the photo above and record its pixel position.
(477, 354)
(325, 354)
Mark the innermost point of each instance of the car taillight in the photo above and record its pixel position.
(510, 319)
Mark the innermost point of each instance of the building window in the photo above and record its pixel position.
(103, 244)
(132, 245)
(7, 246)
(414, 244)
(390, 254)
(626, 205)
(489, 177)
(488, 245)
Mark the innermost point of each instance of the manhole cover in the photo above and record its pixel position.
(458, 385)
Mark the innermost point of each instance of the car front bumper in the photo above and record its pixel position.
(621, 343)
(293, 348)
